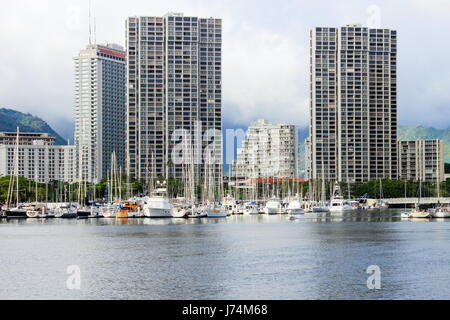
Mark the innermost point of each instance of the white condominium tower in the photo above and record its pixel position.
(269, 151)
(353, 129)
(174, 82)
(100, 110)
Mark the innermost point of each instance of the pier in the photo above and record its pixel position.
(398, 202)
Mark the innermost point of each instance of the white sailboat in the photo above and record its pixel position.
(17, 211)
(420, 211)
(440, 211)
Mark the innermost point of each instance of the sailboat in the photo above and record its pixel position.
(420, 211)
(440, 211)
(213, 208)
(17, 212)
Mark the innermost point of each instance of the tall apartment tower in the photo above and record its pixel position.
(174, 82)
(100, 110)
(353, 129)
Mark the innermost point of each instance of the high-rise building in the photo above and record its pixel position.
(269, 151)
(174, 82)
(353, 129)
(421, 160)
(100, 110)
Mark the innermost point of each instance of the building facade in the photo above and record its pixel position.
(174, 82)
(269, 151)
(26, 138)
(100, 110)
(353, 111)
(41, 163)
(421, 160)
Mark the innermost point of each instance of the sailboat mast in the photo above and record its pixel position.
(17, 166)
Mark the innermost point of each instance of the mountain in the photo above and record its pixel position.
(11, 119)
(419, 132)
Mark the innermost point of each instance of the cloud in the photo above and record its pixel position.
(264, 76)
(265, 60)
(433, 7)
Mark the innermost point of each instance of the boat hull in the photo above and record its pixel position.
(441, 213)
(16, 214)
(72, 215)
(216, 214)
(272, 211)
(83, 214)
(157, 213)
(296, 212)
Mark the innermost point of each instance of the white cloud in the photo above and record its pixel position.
(435, 7)
(265, 76)
(265, 52)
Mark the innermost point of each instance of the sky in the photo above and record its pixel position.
(265, 52)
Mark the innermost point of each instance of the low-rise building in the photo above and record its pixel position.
(26, 138)
(268, 151)
(42, 163)
(421, 160)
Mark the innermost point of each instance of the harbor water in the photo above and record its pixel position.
(255, 257)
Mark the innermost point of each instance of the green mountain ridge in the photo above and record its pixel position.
(11, 119)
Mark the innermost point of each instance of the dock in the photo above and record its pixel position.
(410, 202)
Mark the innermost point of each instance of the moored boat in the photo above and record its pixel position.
(441, 212)
(157, 205)
(273, 206)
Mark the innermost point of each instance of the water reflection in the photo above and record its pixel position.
(254, 257)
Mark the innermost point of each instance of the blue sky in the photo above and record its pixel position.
(265, 52)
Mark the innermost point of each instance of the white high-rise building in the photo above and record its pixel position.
(269, 151)
(174, 82)
(100, 110)
(353, 129)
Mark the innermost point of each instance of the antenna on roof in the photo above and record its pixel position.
(90, 27)
(95, 29)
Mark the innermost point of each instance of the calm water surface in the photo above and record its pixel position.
(237, 258)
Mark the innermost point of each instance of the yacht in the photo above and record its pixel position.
(129, 209)
(157, 205)
(181, 211)
(214, 210)
(338, 203)
(320, 208)
(110, 211)
(229, 204)
(16, 213)
(250, 209)
(198, 212)
(295, 207)
(441, 212)
(419, 212)
(66, 211)
(84, 212)
(273, 206)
